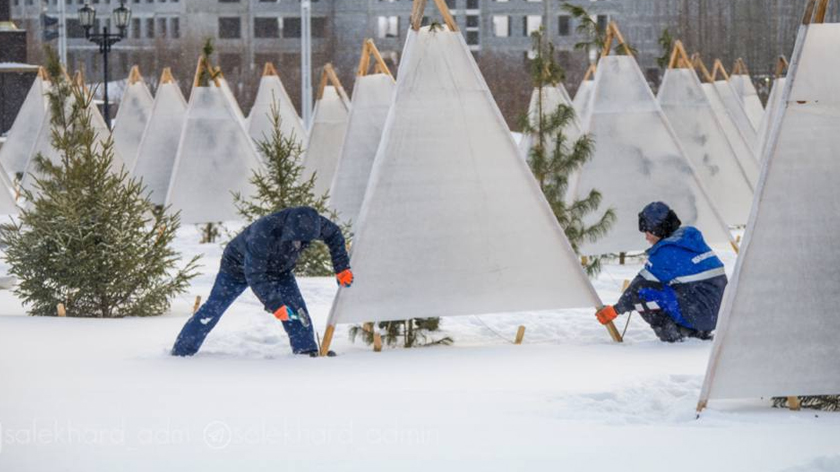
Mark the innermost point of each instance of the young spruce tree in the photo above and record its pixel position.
(88, 236)
(280, 187)
(554, 159)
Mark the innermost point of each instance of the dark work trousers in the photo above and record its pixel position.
(646, 297)
(226, 289)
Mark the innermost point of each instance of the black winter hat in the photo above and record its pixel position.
(658, 219)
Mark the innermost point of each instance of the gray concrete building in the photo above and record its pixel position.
(248, 33)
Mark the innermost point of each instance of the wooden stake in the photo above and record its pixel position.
(328, 335)
(781, 66)
(419, 8)
(701, 405)
(735, 247)
(134, 75)
(614, 334)
(60, 311)
(738, 239)
(197, 303)
(625, 285)
(822, 7)
(166, 76)
(269, 70)
(809, 12)
(584, 261)
(698, 64)
(380, 67)
(718, 67)
(520, 334)
(613, 33)
(621, 257)
(679, 58)
(589, 72)
(794, 404)
(42, 73)
(328, 75)
(377, 342)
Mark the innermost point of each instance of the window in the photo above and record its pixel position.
(230, 27)
(230, 63)
(602, 21)
(472, 4)
(472, 38)
(388, 26)
(135, 28)
(74, 28)
(472, 21)
(175, 24)
(291, 27)
(150, 27)
(266, 27)
(319, 27)
(563, 25)
(161, 27)
(501, 26)
(532, 23)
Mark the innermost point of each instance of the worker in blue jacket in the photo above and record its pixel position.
(679, 291)
(263, 257)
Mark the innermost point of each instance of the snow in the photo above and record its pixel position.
(87, 394)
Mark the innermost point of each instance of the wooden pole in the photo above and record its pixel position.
(269, 70)
(701, 405)
(621, 257)
(781, 66)
(701, 67)
(328, 335)
(134, 75)
(520, 334)
(584, 261)
(794, 404)
(589, 72)
(377, 342)
(809, 12)
(417, 11)
(822, 7)
(197, 303)
(60, 311)
(614, 334)
(735, 247)
(166, 76)
(364, 61)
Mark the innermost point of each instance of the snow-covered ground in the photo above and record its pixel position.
(90, 395)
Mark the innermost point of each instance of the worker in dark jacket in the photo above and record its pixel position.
(679, 291)
(263, 257)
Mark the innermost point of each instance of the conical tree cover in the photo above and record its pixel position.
(372, 97)
(132, 117)
(736, 110)
(581, 101)
(553, 97)
(701, 134)
(232, 99)
(453, 222)
(216, 158)
(778, 329)
(159, 146)
(272, 92)
(638, 160)
(20, 141)
(773, 106)
(746, 93)
(743, 150)
(329, 124)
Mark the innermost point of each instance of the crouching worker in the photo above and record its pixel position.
(263, 257)
(679, 291)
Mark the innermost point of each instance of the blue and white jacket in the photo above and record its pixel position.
(684, 277)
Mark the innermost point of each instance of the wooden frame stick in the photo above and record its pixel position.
(698, 64)
(166, 76)
(328, 75)
(380, 67)
(613, 33)
(325, 343)
(718, 67)
(419, 8)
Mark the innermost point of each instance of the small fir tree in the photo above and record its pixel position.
(280, 187)
(553, 159)
(89, 237)
(666, 42)
(587, 27)
(415, 332)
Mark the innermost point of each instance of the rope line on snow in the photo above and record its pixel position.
(493, 330)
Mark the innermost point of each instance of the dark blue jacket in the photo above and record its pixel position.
(265, 250)
(691, 280)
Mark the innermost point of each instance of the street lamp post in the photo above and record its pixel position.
(87, 18)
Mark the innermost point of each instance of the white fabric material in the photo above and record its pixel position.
(44, 146)
(329, 124)
(581, 101)
(773, 106)
(453, 222)
(746, 93)
(372, 97)
(736, 110)
(159, 145)
(272, 92)
(743, 150)
(638, 160)
(553, 97)
(216, 158)
(777, 334)
(20, 140)
(701, 135)
(135, 108)
(232, 99)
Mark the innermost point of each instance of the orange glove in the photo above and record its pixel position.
(606, 314)
(345, 278)
(284, 313)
